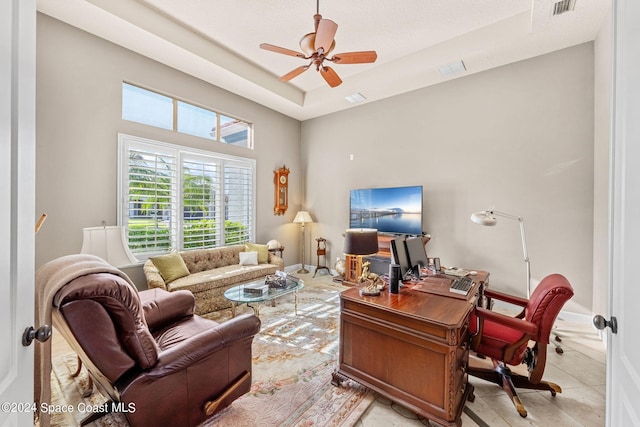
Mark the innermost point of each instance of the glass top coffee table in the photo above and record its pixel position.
(251, 293)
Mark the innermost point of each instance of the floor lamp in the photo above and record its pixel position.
(302, 217)
(358, 242)
(488, 218)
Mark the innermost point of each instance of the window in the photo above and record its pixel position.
(196, 121)
(174, 197)
(153, 109)
(234, 131)
(146, 107)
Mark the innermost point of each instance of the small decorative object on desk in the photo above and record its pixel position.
(373, 283)
(370, 288)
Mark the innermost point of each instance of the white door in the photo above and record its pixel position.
(17, 206)
(623, 347)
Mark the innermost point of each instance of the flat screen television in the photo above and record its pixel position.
(394, 210)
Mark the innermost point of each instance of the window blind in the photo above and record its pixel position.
(180, 198)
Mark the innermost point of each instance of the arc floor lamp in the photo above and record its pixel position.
(488, 218)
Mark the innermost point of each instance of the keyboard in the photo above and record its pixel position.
(461, 285)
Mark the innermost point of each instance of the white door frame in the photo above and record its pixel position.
(17, 206)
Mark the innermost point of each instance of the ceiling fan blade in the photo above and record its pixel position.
(355, 57)
(282, 50)
(293, 73)
(325, 33)
(330, 76)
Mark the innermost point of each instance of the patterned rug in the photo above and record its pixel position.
(293, 358)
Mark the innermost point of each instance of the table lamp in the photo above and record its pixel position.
(488, 218)
(358, 242)
(109, 243)
(302, 217)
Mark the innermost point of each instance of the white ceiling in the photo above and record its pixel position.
(217, 41)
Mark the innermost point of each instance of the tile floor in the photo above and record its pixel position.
(580, 371)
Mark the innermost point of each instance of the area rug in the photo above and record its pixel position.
(294, 355)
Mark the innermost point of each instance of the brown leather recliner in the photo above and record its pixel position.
(158, 362)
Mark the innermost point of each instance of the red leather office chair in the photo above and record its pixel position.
(148, 351)
(506, 339)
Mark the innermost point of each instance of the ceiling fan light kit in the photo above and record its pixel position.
(316, 47)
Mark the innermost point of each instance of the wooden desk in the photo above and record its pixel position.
(411, 347)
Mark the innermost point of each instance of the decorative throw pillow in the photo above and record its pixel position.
(263, 251)
(171, 266)
(248, 258)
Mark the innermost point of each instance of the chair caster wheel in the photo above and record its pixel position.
(559, 350)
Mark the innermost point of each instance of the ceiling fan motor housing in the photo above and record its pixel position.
(307, 44)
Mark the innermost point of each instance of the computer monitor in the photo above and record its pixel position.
(399, 255)
(417, 254)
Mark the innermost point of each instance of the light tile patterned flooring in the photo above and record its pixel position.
(580, 371)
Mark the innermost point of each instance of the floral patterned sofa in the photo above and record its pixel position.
(211, 272)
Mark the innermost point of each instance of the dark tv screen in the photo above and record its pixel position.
(396, 210)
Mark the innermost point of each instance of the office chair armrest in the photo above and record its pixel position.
(511, 299)
(162, 308)
(521, 325)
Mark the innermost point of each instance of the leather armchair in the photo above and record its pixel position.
(160, 363)
(506, 339)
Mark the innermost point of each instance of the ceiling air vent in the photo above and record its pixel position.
(563, 6)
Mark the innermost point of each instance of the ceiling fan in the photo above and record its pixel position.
(316, 46)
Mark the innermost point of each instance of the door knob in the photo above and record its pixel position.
(41, 334)
(600, 323)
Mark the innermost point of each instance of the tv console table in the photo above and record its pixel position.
(411, 347)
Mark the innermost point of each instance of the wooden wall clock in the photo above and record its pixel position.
(281, 184)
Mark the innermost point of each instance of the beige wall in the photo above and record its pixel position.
(519, 138)
(79, 79)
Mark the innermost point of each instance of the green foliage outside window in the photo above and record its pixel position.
(196, 234)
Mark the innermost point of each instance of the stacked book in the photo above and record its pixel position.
(256, 289)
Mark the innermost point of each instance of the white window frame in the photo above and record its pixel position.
(126, 142)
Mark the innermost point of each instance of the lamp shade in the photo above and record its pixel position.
(108, 243)
(302, 217)
(484, 218)
(361, 241)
